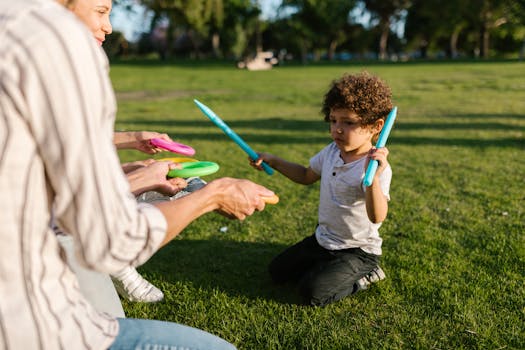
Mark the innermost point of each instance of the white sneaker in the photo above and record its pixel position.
(133, 287)
(373, 276)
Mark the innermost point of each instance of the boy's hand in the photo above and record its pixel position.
(381, 155)
(257, 164)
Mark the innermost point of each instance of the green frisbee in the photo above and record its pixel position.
(191, 169)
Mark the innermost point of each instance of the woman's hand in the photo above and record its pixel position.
(139, 140)
(152, 177)
(238, 198)
(131, 166)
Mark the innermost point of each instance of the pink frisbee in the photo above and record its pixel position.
(172, 146)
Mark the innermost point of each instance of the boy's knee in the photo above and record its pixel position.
(313, 296)
(313, 299)
(316, 295)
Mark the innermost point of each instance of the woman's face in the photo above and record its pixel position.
(95, 15)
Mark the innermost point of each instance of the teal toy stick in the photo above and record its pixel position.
(381, 142)
(228, 131)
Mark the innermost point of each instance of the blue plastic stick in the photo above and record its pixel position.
(236, 138)
(381, 142)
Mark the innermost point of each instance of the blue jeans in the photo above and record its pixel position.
(138, 334)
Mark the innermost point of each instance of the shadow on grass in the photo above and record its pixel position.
(235, 268)
(505, 116)
(285, 131)
(272, 123)
(460, 142)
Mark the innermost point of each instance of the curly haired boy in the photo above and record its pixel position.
(342, 256)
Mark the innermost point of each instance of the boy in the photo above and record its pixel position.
(342, 256)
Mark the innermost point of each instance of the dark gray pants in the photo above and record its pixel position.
(324, 276)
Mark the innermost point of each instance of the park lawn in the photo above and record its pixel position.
(454, 246)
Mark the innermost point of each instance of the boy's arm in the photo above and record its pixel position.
(293, 171)
(376, 201)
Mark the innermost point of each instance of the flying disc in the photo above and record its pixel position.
(271, 200)
(381, 142)
(173, 146)
(177, 160)
(191, 169)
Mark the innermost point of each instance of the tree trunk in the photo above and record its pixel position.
(423, 49)
(304, 52)
(331, 50)
(215, 43)
(454, 43)
(484, 41)
(383, 40)
(258, 38)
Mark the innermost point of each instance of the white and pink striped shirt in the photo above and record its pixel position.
(57, 110)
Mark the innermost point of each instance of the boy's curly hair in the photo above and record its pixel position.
(366, 95)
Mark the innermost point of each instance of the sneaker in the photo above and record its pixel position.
(194, 184)
(373, 276)
(133, 287)
(152, 197)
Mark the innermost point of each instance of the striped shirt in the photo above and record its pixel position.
(57, 110)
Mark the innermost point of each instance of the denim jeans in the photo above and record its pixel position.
(138, 334)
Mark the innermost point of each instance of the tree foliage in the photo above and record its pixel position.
(326, 23)
(234, 28)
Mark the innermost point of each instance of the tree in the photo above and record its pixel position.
(384, 11)
(492, 14)
(430, 22)
(325, 22)
(195, 17)
(240, 26)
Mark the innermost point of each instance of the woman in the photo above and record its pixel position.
(56, 152)
(143, 176)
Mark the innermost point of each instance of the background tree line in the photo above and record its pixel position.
(329, 29)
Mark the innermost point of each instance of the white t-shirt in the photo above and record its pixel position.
(343, 222)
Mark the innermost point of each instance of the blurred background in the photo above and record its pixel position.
(306, 31)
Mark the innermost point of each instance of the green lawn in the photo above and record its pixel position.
(454, 243)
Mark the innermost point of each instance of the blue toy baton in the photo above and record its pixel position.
(222, 125)
(381, 142)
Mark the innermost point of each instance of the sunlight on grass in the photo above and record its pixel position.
(454, 249)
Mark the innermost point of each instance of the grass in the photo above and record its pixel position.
(454, 246)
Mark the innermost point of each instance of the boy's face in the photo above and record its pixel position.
(347, 132)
